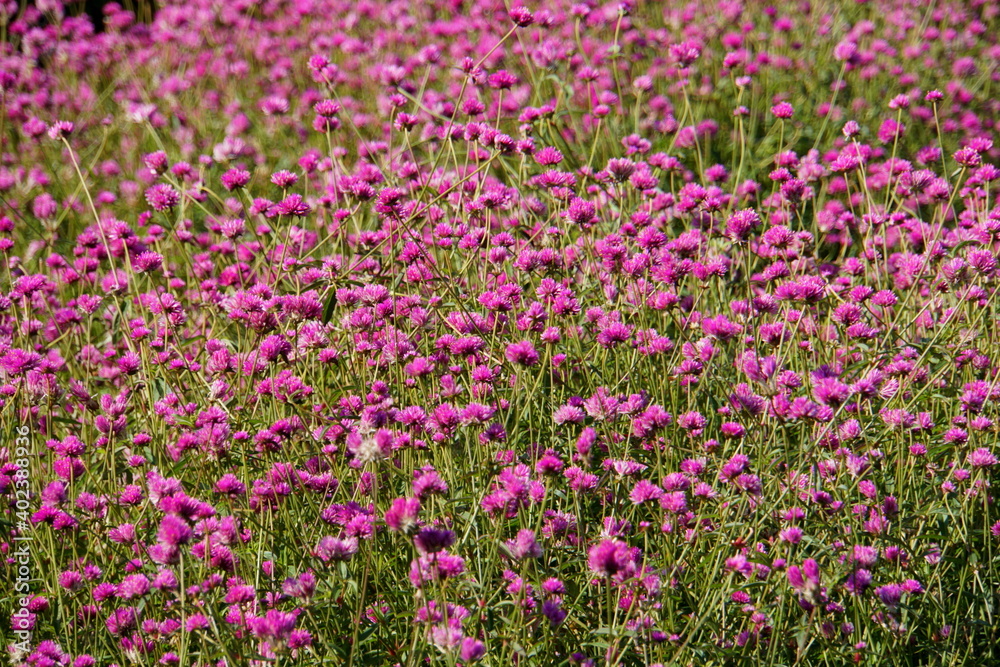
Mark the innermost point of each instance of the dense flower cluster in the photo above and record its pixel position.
(578, 333)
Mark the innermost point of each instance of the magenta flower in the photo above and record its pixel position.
(162, 197)
(402, 517)
(19, 362)
(436, 566)
(147, 261)
(614, 334)
(174, 531)
(890, 595)
(741, 225)
(60, 129)
(982, 458)
(522, 354)
(235, 178)
(432, 540)
(275, 626)
(524, 546)
(471, 650)
(521, 17)
(645, 491)
(336, 549)
(611, 558)
(782, 110)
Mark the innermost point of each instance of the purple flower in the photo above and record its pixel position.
(284, 178)
(156, 162)
(275, 626)
(982, 458)
(522, 354)
(645, 491)
(524, 546)
(147, 261)
(830, 391)
(133, 586)
(741, 225)
(432, 540)
(890, 595)
(582, 213)
(620, 169)
(739, 564)
(864, 556)
(611, 558)
(436, 566)
(301, 587)
(18, 361)
(162, 197)
(229, 484)
(783, 110)
(292, 205)
(614, 334)
(685, 53)
(805, 577)
(471, 650)
(792, 535)
(427, 482)
(858, 581)
(521, 17)
(60, 129)
(745, 401)
(71, 581)
(890, 131)
(235, 178)
(336, 549)
(568, 414)
(734, 467)
(122, 620)
(982, 261)
(553, 612)
(174, 531)
(402, 517)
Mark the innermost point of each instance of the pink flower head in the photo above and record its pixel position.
(403, 516)
(521, 17)
(783, 110)
(174, 531)
(162, 197)
(336, 549)
(60, 129)
(522, 354)
(524, 546)
(611, 558)
(982, 458)
(235, 178)
(275, 626)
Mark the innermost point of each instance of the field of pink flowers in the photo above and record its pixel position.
(410, 332)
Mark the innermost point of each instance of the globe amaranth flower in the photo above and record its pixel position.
(275, 627)
(741, 225)
(432, 540)
(174, 531)
(783, 110)
(982, 458)
(162, 197)
(524, 545)
(436, 566)
(336, 549)
(60, 129)
(522, 353)
(521, 16)
(235, 178)
(403, 516)
(611, 558)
